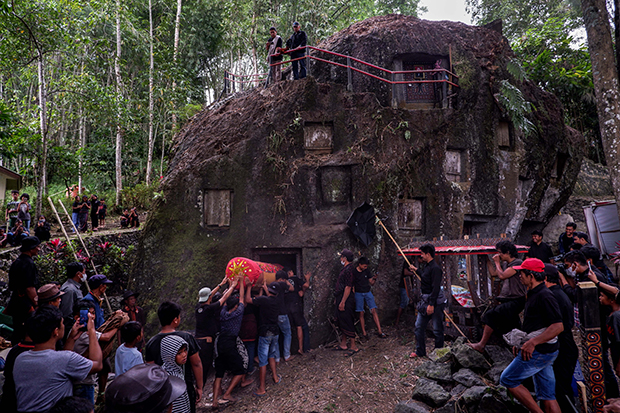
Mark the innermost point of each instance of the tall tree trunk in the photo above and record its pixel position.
(602, 54)
(177, 34)
(149, 160)
(119, 131)
(82, 143)
(617, 34)
(42, 188)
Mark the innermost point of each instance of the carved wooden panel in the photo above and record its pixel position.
(452, 166)
(318, 137)
(503, 134)
(217, 207)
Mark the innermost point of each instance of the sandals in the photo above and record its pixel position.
(382, 335)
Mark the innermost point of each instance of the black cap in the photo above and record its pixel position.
(274, 288)
(145, 388)
(348, 254)
(98, 279)
(128, 294)
(29, 243)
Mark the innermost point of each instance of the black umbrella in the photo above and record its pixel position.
(362, 223)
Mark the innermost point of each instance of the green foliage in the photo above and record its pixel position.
(110, 259)
(512, 100)
(558, 64)
(518, 16)
(141, 196)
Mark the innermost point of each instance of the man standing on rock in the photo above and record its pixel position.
(345, 302)
(274, 46)
(298, 39)
(431, 307)
(543, 322)
(505, 316)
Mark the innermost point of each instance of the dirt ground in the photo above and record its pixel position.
(328, 380)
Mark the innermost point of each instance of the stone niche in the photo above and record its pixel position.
(335, 185)
(217, 206)
(453, 165)
(411, 216)
(318, 137)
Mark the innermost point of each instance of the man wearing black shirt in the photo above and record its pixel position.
(538, 248)
(295, 306)
(362, 281)
(345, 302)
(23, 283)
(543, 322)
(207, 323)
(564, 365)
(430, 287)
(566, 238)
(268, 333)
(298, 39)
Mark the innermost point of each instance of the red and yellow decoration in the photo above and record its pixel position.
(251, 270)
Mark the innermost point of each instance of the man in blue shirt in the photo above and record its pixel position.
(98, 285)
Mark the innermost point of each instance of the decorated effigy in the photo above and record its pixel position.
(255, 273)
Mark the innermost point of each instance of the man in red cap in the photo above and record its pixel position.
(542, 322)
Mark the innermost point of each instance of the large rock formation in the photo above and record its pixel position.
(273, 174)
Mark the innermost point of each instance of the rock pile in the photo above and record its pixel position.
(459, 378)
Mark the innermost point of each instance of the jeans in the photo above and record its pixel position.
(267, 349)
(420, 330)
(250, 346)
(361, 298)
(26, 223)
(404, 298)
(299, 66)
(540, 366)
(85, 391)
(285, 331)
(75, 218)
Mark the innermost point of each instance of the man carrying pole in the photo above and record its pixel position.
(432, 302)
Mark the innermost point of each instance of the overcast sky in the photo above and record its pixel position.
(445, 10)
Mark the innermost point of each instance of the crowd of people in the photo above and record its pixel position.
(82, 207)
(63, 338)
(18, 222)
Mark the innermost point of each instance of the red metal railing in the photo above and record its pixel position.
(446, 77)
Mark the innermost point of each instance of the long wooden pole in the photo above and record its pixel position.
(62, 227)
(85, 249)
(416, 274)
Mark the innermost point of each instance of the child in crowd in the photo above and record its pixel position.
(174, 355)
(3, 238)
(103, 208)
(127, 355)
(23, 211)
(613, 325)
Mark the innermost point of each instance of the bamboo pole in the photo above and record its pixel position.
(85, 249)
(49, 199)
(416, 274)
